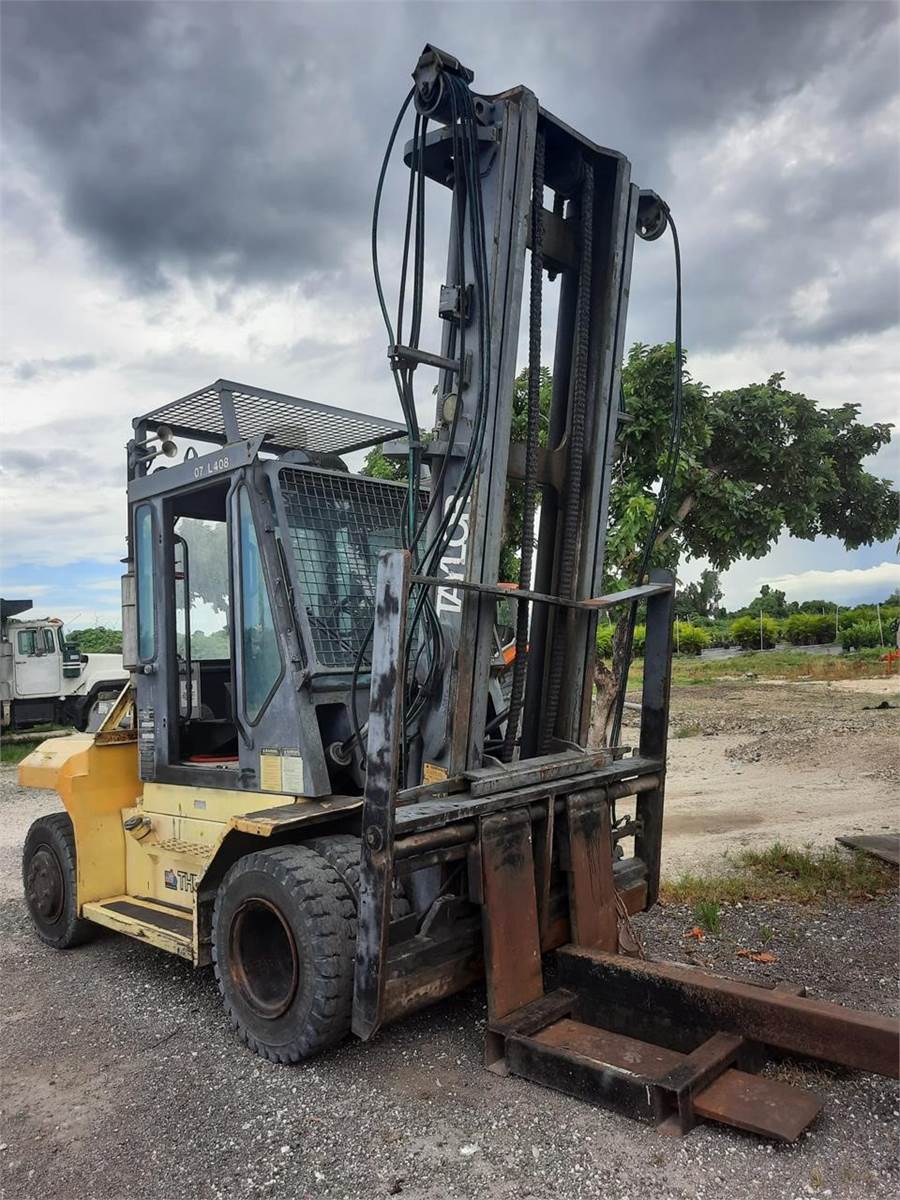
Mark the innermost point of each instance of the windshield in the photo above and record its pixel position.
(338, 525)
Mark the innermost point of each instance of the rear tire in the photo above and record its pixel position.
(50, 881)
(283, 943)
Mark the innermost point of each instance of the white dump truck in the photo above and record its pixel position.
(45, 680)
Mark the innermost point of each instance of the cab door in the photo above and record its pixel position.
(37, 662)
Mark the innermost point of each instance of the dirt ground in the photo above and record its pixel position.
(755, 762)
(121, 1081)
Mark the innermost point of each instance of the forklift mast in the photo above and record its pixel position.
(438, 753)
(520, 179)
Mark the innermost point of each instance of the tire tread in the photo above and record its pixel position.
(322, 897)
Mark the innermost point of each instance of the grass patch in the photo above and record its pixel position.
(708, 915)
(802, 875)
(691, 729)
(768, 664)
(12, 753)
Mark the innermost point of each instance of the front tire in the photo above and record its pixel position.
(283, 944)
(50, 880)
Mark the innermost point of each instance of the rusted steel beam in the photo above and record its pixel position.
(385, 722)
(446, 834)
(699, 1068)
(673, 999)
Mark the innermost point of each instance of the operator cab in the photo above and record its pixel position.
(250, 598)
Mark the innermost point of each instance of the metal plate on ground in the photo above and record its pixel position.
(610, 1049)
(884, 846)
(758, 1104)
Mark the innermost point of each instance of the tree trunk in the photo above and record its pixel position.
(606, 684)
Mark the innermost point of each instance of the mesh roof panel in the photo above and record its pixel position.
(287, 422)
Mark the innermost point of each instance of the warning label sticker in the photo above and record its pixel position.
(292, 772)
(432, 773)
(270, 771)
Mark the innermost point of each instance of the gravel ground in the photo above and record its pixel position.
(122, 1082)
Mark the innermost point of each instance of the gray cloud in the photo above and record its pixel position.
(241, 141)
(68, 364)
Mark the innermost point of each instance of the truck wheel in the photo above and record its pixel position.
(343, 851)
(282, 947)
(50, 881)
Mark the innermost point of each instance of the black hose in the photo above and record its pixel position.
(665, 490)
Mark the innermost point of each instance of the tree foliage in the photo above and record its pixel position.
(702, 598)
(377, 466)
(770, 601)
(96, 639)
(755, 462)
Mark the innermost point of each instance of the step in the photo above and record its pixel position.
(168, 926)
(651, 1081)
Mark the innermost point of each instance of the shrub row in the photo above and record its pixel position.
(799, 629)
(690, 639)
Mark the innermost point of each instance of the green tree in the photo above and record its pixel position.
(754, 462)
(701, 598)
(770, 601)
(377, 466)
(96, 639)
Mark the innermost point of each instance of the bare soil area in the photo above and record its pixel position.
(122, 1081)
(754, 762)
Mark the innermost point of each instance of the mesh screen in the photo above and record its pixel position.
(286, 421)
(339, 524)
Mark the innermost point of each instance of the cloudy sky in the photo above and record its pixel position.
(187, 194)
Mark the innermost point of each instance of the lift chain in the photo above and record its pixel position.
(576, 453)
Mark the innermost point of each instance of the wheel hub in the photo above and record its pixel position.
(263, 960)
(45, 887)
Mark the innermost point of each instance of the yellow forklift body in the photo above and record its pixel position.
(144, 881)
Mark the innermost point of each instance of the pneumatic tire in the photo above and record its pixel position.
(50, 882)
(283, 942)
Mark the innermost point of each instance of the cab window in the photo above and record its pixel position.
(261, 657)
(49, 644)
(143, 532)
(26, 641)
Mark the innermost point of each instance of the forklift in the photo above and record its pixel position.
(376, 784)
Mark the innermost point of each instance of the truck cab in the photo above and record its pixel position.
(43, 679)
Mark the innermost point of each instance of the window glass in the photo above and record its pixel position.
(259, 644)
(143, 530)
(206, 583)
(60, 639)
(25, 638)
(49, 644)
